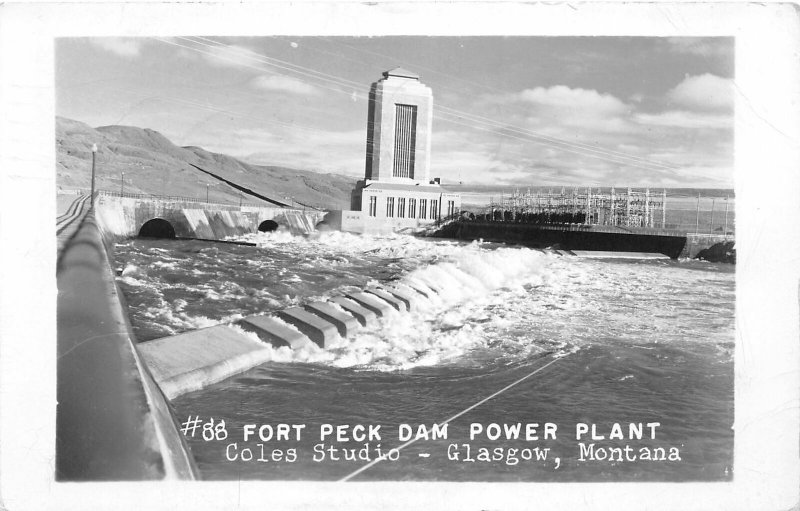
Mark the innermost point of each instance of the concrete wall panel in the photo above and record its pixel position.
(319, 330)
(345, 322)
(194, 360)
(274, 331)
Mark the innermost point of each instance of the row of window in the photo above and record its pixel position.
(412, 210)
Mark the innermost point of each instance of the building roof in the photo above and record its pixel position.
(399, 71)
(418, 187)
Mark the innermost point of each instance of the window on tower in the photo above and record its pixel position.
(405, 137)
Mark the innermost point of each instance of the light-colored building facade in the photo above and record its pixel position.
(397, 191)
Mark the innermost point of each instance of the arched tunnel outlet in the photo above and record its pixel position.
(157, 228)
(267, 226)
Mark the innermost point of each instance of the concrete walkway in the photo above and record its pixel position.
(71, 209)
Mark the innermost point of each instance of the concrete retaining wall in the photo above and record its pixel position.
(112, 421)
(123, 217)
(574, 238)
(113, 418)
(197, 359)
(697, 243)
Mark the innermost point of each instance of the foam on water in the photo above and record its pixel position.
(390, 246)
(439, 331)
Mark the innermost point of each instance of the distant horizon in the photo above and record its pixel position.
(571, 111)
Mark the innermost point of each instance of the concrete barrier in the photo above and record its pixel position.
(345, 322)
(322, 332)
(419, 288)
(392, 300)
(274, 331)
(432, 286)
(123, 217)
(410, 297)
(598, 254)
(112, 421)
(571, 237)
(194, 360)
(371, 302)
(362, 314)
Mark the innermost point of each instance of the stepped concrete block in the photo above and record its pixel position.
(194, 360)
(371, 302)
(272, 331)
(409, 297)
(362, 314)
(344, 322)
(432, 286)
(320, 331)
(389, 298)
(419, 288)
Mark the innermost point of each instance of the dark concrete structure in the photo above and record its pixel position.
(567, 237)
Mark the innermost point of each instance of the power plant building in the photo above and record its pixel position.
(397, 191)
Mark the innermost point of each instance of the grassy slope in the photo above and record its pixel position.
(154, 165)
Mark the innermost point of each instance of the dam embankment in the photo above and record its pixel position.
(113, 420)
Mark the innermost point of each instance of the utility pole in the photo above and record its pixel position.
(711, 229)
(206, 193)
(122, 185)
(94, 159)
(725, 232)
(240, 199)
(697, 216)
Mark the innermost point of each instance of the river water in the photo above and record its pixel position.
(588, 341)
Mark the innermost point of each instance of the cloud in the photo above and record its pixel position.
(563, 112)
(703, 92)
(585, 101)
(279, 83)
(686, 120)
(124, 47)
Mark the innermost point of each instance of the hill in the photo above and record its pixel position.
(152, 164)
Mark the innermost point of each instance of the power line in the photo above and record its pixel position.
(481, 119)
(577, 148)
(490, 125)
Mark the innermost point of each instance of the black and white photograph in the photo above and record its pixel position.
(371, 267)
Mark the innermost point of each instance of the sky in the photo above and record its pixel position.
(508, 111)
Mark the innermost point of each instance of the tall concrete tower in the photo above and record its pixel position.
(396, 192)
(399, 123)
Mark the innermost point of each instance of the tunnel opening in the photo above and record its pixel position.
(157, 228)
(267, 226)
